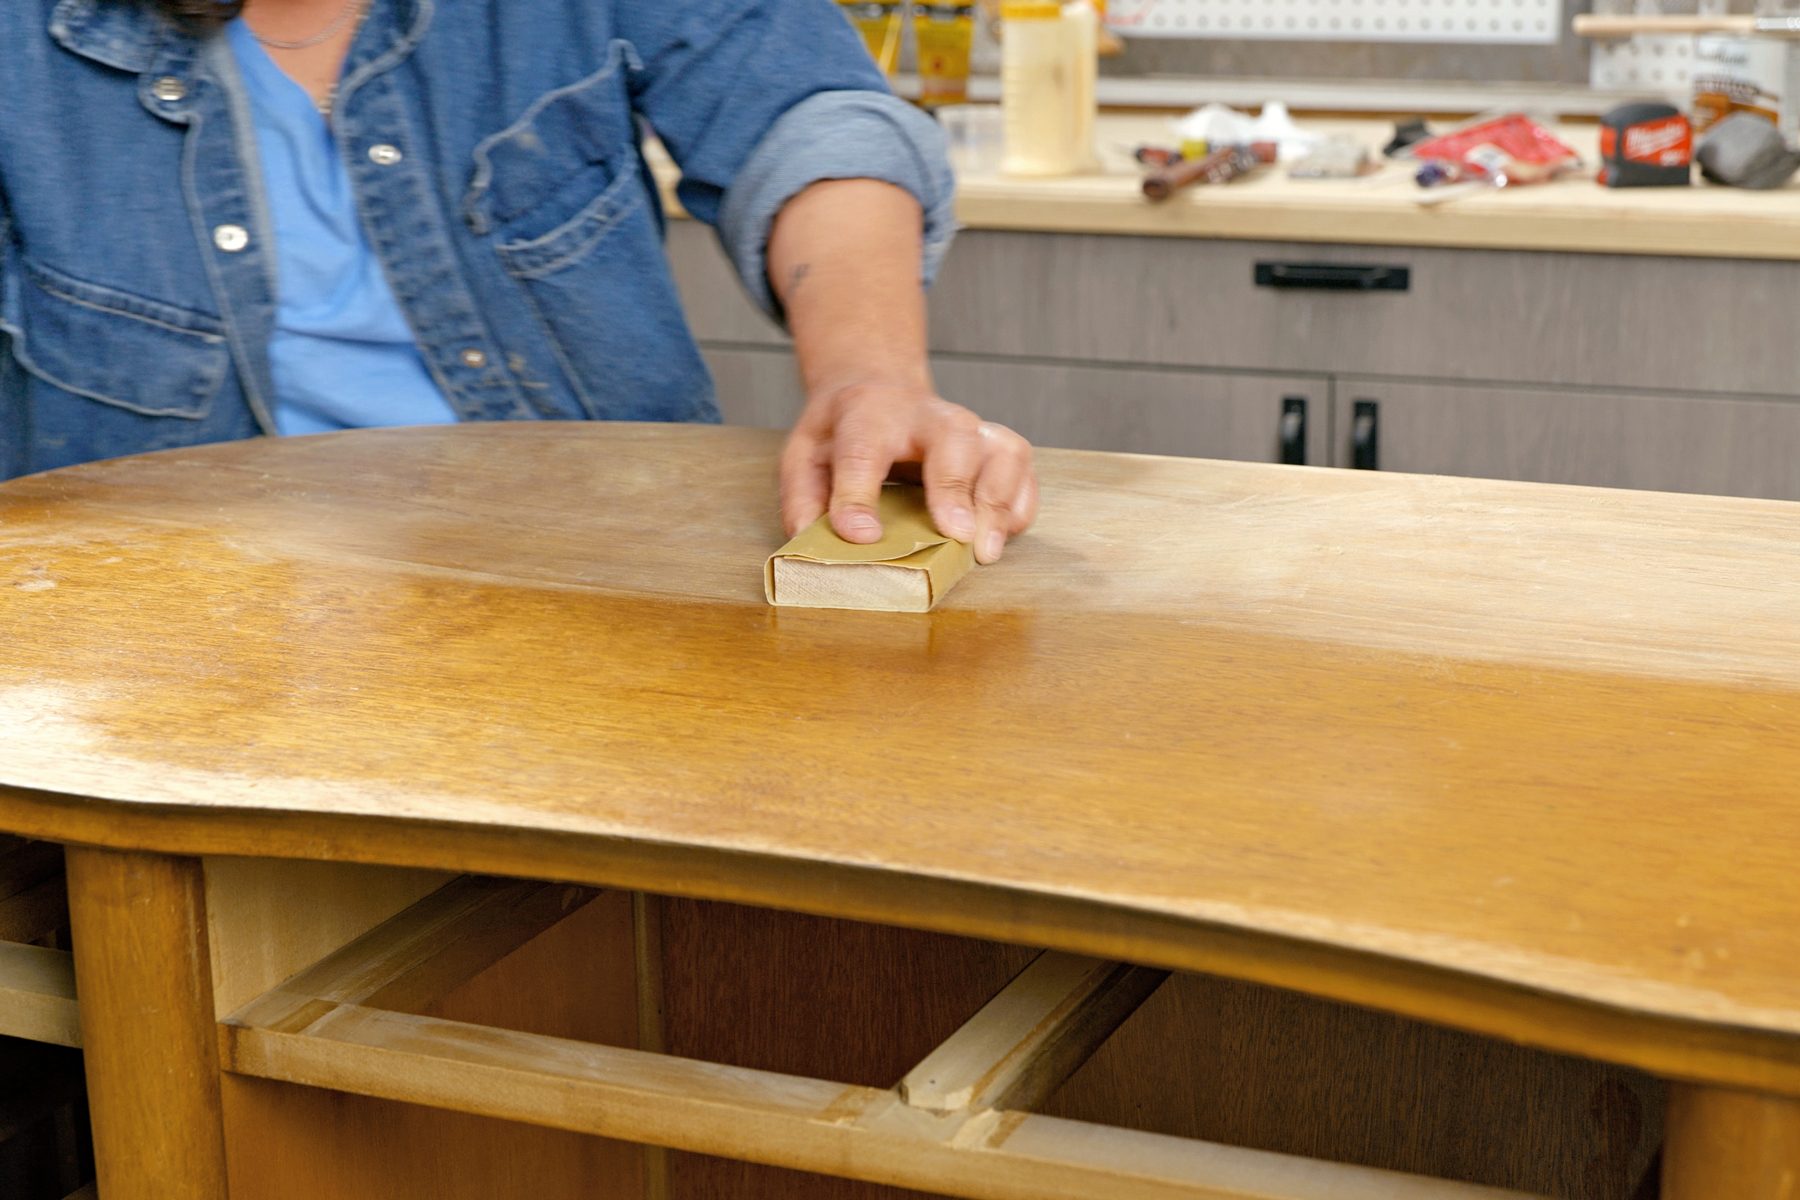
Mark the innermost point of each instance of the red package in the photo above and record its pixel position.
(1515, 137)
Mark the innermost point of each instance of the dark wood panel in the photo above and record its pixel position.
(808, 996)
(1274, 1070)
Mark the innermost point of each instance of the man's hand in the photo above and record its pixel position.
(844, 258)
(978, 477)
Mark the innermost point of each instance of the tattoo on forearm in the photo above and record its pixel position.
(795, 276)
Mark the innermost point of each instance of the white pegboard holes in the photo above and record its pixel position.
(1537, 22)
(1663, 65)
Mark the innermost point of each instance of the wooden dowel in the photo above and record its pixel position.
(1626, 25)
(781, 1120)
(37, 995)
(1027, 1040)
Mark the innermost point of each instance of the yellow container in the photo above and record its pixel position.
(946, 34)
(881, 23)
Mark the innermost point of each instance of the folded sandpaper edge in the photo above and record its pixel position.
(943, 566)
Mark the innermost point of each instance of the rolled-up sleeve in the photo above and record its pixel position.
(837, 135)
(756, 99)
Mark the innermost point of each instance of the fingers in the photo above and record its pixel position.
(805, 482)
(979, 481)
(1005, 491)
(952, 463)
(1025, 505)
(860, 461)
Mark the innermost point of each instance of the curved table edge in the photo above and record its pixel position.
(1672, 1047)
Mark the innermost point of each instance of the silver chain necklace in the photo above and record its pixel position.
(350, 11)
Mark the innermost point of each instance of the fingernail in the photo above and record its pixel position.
(993, 546)
(960, 524)
(862, 525)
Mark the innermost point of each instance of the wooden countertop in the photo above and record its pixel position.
(1574, 214)
(1516, 758)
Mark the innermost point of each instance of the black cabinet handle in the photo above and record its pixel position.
(1365, 436)
(1333, 277)
(1293, 431)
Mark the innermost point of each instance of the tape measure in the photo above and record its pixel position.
(1646, 145)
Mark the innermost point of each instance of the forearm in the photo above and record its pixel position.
(845, 260)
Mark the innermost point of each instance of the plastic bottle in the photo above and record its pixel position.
(1049, 65)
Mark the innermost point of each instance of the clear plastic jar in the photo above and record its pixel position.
(1049, 64)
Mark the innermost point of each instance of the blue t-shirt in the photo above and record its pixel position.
(342, 354)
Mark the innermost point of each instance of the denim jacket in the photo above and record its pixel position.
(493, 146)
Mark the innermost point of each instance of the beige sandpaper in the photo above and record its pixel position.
(910, 569)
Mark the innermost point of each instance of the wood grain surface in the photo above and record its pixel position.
(1513, 757)
(1728, 1143)
(300, 1143)
(149, 1044)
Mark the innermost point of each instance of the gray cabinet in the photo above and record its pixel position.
(1737, 447)
(1617, 371)
(1477, 316)
(1198, 414)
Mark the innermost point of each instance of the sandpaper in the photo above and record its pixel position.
(910, 569)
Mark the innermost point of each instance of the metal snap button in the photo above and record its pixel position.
(384, 155)
(473, 358)
(169, 89)
(231, 238)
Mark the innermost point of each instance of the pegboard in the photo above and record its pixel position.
(1515, 22)
(1655, 64)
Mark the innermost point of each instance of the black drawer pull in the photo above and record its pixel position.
(1333, 277)
(1365, 436)
(1293, 431)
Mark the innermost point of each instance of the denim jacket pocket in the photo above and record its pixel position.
(547, 173)
(115, 347)
(575, 238)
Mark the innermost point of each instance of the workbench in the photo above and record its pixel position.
(1563, 333)
(1510, 760)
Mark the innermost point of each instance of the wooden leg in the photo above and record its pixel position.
(1728, 1143)
(145, 986)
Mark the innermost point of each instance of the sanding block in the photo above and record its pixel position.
(910, 569)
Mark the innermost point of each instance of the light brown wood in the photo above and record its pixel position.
(872, 587)
(1188, 663)
(1616, 25)
(1027, 1040)
(575, 980)
(850, 1131)
(1727, 1143)
(37, 995)
(149, 1043)
(268, 918)
(424, 952)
